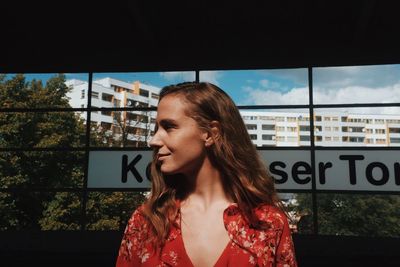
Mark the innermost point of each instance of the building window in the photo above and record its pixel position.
(280, 128)
(356, 129)
(268, 137)
(291, 129)
(95, 94)
(249, 117)
(304, 128)
(155, 96)
(356, 139)
(395, 140)
(253, 136)
(280, 138)
(251, 126)
(291, 119)
(143, 92)
(83, 94)
(106, 112)
(268, 127)
(107, 97)
(304, 138)
(380, 131)
(318, 138)
(394, 130)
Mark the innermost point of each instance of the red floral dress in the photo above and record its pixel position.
(247, 246)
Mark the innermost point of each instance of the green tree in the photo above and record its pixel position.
(354, 214)
(27, 171)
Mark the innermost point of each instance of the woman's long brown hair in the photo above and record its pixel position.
(245, 177)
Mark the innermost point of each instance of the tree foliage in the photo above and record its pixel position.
(39, 178)
(354, 214)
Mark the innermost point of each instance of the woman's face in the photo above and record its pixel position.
(178, 140)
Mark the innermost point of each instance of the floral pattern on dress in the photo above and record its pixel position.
(248, 246)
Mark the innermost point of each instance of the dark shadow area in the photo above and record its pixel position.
(100, 249)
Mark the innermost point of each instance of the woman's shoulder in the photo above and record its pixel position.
(137, 221)
(268, 215)
(271, 215)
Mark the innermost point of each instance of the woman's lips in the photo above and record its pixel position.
(161, 156)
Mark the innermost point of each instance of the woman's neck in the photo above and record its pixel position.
(207, 189)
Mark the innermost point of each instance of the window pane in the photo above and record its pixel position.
(40, 211)
(372, 126)
(122, 128)
(42, 129)
(135, 89)
(299, 208)
(41, 91)
(277, 127)
(262, 87)
(359, 215)
(357, 84)
(111, 210)
(38, 169)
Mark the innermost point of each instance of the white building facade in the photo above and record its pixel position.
(265, 128)
(132, 128)
(330, 129)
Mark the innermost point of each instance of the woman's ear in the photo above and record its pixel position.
(214, 133)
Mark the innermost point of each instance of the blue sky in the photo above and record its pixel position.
(353, 84)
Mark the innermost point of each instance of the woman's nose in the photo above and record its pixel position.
(155, 141)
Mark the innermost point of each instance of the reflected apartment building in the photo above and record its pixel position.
(123, 128)
(265, 128)
(330, 129)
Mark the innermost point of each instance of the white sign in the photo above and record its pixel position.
(291, 169)
(369, 170)
(119, 169)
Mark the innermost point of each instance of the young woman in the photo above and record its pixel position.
(212, 201)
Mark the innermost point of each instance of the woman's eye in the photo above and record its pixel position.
(168, 127)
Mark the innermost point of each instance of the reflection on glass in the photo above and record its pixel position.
(357, 84)
(126, 89)
(111, 210)
(40, 211)
(372, 126)
(277, 127)
(359, 215)
(39, 91)
(122, 128)
(299, 209)
(42, 129)
(41, 169)
(262, 87)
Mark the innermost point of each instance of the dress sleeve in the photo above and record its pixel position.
(132, 250)
(285, 254)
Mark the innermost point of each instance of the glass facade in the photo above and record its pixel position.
(53, 125)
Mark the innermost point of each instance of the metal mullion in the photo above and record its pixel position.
(87, 150)
(312, 151)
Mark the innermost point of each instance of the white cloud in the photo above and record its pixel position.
(346, 95)
(364, 76)
(210, 76)
(268, 84)
(269, 97)
(174, 76)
